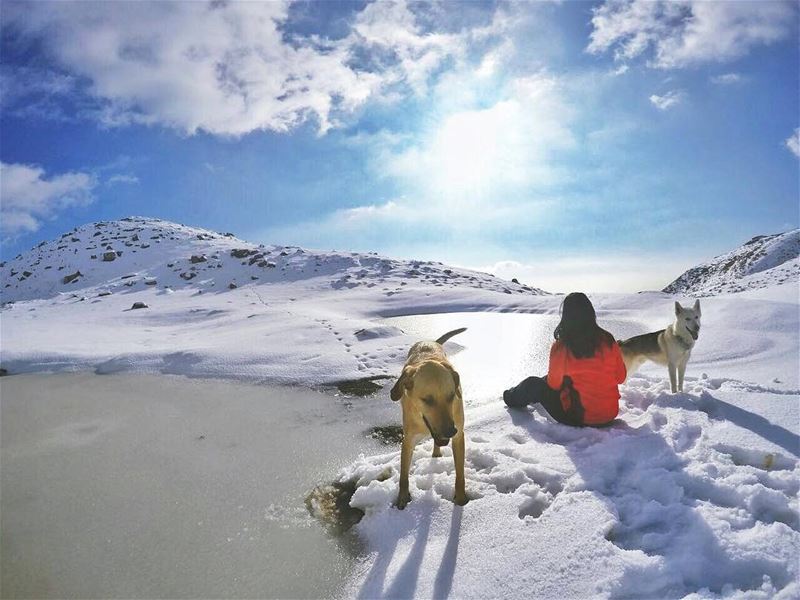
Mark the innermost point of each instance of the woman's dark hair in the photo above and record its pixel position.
(578, 328)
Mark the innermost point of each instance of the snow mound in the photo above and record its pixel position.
(135, 252)
(764, 261)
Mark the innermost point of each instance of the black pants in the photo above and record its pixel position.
(535, 389)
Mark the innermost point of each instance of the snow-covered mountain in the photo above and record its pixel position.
(135, 252)
(143, 294)
(764, 261)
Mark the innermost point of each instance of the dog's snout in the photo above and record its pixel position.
(450, 431)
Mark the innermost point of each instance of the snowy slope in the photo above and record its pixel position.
(686, 495)
(764, 261)
(219, 306)
(138, 251)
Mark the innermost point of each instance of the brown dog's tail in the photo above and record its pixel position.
(450, 334)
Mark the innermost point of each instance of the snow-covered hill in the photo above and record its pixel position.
(134, 252)
(214, 305)
(764, 261)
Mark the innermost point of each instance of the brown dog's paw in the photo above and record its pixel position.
(402, 500)
(460, 499)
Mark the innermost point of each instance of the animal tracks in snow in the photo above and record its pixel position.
(666, 483)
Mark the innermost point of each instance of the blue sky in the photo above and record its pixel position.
(596, 146)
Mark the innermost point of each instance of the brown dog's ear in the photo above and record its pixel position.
(456, 379)
(404, 382)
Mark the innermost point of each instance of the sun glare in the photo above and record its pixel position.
(471, 148)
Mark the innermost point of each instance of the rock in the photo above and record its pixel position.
(71, 278)
(103, 293)
(284, 253)
(135, 237)
(241, 252)
(198, 258)
(139, 305)
(3, 372)
(229, 234)
(109, 256)
(232, 286)
(93, 257)
(514, 280)
(188, 276)
(150, 282)
(256, 258)
(26, 273)
(253, 277)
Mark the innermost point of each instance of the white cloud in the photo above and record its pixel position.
(232, 68)
(473, 154)
(793, 142)
(688, 32)
(668, 100)
(27, 197)
(727, 79)
(123, 178)
(587, 273)
(473, 173)
(620, 70)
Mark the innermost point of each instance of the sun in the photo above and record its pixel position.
(473, 150)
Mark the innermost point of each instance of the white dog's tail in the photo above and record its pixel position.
(450, 334)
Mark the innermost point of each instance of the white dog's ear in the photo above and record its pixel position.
(404, 382)
(697, 307)
(678, 308)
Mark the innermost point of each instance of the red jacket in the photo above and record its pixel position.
(595, 379)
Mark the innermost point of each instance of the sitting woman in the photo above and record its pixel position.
(585, 369)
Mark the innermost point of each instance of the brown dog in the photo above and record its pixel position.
(430, 392)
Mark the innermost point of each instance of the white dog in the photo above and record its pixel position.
(671, 346)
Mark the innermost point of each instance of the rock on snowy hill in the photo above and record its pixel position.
(764, 261)
(134, 252)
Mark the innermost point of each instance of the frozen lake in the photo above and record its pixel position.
(159, 486)
(163, 486)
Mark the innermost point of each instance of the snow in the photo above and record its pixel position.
(694, 493)
(314, 302)
(687, 495)
(764, 261)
